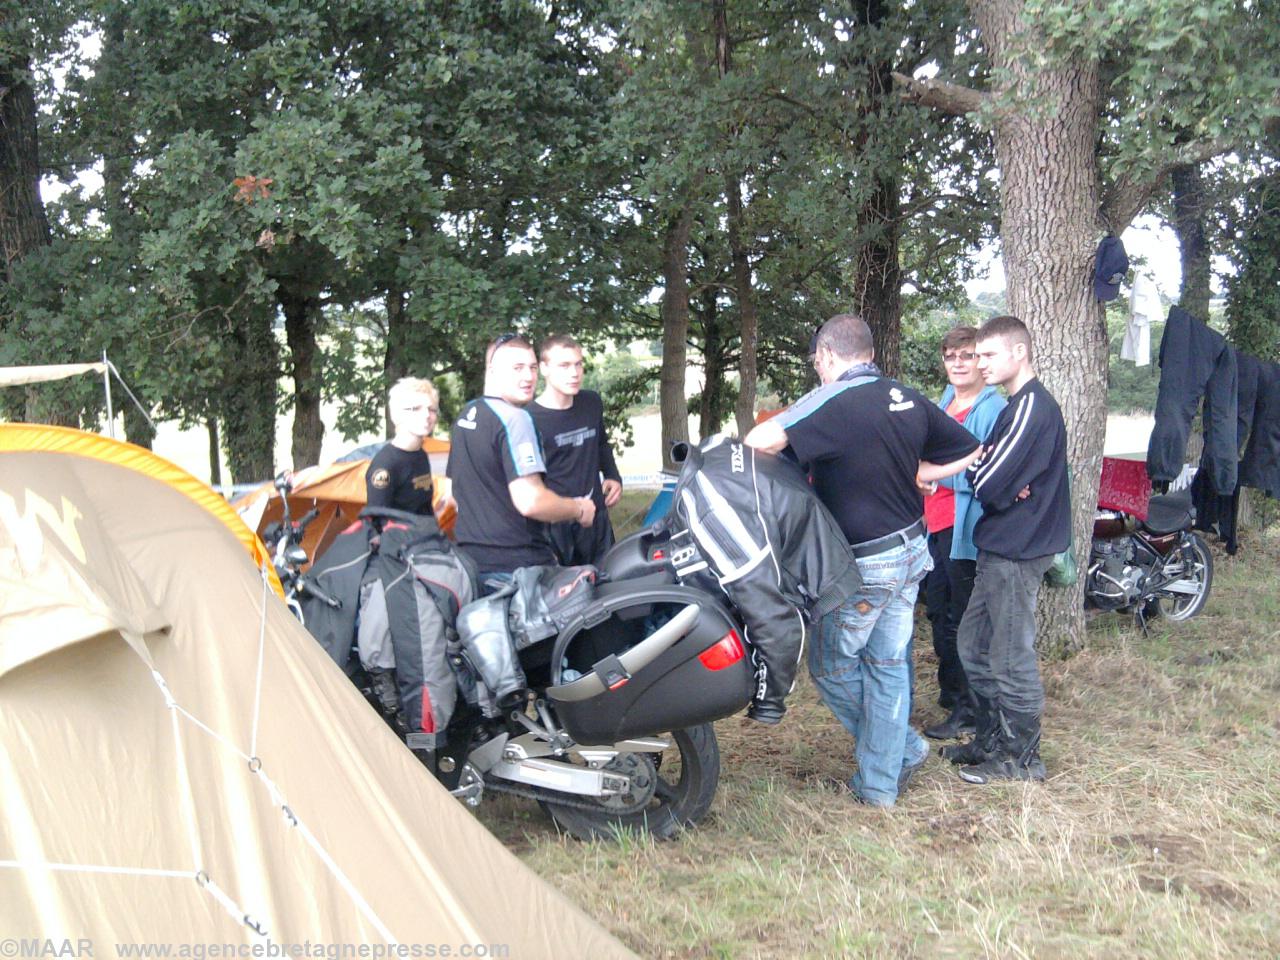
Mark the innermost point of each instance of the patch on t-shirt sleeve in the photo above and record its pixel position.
(527, 457)
(380, 478)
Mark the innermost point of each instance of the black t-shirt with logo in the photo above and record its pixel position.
(862, 438)
(492, 444)
(575, 446)
(400, 479)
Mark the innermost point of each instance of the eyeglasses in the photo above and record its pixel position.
(967, 357)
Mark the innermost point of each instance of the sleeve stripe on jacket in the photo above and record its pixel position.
(1007, 443)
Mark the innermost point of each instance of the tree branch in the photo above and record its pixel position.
(1128, 196)
(941, 95)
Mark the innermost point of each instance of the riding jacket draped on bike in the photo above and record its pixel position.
(774, 548)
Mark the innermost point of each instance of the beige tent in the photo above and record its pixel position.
(179, 761)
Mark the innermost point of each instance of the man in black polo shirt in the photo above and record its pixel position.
(869, 443)
(399, 476)
(496, 466)
(570, 421)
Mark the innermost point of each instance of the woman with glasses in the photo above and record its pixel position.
(950, 514)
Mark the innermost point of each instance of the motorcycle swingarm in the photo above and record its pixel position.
(562, 777)
(534, 745)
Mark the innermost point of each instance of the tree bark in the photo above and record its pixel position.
(710, 410)
(215, 450)
(748, 321)
(248, 411)
(301, 316)
(23, 224)
(24, 227)
(1049, 229)
(878, 275)
(1193, 245)
(675, 332)
(395, 364)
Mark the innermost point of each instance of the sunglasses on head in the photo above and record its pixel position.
(505, 338)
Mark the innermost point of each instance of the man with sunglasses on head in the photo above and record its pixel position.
(951, 513)
(497, 470)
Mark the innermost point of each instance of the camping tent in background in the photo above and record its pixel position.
(181, 762)
(338, 492)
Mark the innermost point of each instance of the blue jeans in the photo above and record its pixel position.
(859, 664)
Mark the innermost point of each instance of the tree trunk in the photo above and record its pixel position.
(710, 414)
(301, 314)
(215, 451)
(395, 364)
(23, 224)
(675, 332)
(1188, 223)
(248, 412)
(748, 322)
(1049, 229)
(24, 227)
(878, 275)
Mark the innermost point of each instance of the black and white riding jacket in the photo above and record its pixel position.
(774, 548)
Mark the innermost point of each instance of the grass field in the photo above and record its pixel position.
(1157, 834)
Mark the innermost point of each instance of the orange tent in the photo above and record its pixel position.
(337, 491)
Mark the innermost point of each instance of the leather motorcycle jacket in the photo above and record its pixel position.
(774, 548)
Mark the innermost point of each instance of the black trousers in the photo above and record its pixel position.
(946, 595)
(575, 544)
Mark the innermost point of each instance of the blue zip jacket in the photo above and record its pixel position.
(981, 418)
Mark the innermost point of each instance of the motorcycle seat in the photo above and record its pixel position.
(1169, 513)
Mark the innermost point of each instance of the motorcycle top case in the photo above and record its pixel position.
(642, 660)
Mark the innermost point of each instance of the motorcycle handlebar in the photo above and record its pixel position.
(306, 586)
(307, 517)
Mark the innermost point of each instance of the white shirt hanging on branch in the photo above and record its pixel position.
(1144, 309)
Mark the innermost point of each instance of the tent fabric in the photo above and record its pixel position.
(40, 437)
(190, 767)
(20, 376)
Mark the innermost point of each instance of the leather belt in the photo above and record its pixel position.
(869, 548)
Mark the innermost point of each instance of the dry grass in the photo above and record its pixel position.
(1157, 834)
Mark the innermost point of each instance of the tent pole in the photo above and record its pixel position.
(120, 380)
(106, 386)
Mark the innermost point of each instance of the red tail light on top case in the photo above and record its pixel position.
(728, 651)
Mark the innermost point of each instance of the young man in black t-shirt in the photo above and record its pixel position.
(868, 443)
(496, 466)
(570, 421)
(399, 475)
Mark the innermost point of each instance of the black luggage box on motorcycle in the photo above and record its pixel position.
(704, 675)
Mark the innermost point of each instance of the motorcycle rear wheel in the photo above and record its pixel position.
(1197, 567)
(688, 773)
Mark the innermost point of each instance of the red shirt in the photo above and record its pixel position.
(940, 507)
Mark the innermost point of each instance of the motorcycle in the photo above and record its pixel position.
(611, 725)
(1152, 567)
(283, 541)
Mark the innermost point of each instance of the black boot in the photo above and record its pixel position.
(1017, 756)
(956, 725)
(986, 723)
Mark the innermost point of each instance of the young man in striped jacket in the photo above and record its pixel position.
(1021, 482)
